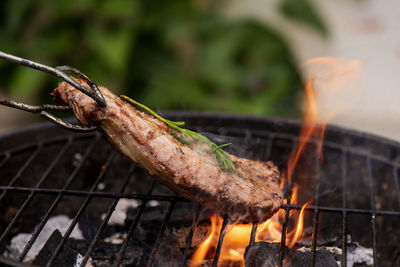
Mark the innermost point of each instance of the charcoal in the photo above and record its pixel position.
(328, 235)
(199, 235)
(221, 263)
(263, 254)
(88, 225)
(322, 259)
(104, 254)
(47, 250)
(155, 211)
(66, 258)
(168, 253)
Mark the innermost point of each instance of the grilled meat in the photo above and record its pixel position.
(250, 195)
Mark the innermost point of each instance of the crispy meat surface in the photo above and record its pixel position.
(250, 195)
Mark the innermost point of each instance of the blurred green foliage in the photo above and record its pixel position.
(304, 12)
(175, 54)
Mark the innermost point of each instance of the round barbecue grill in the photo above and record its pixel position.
(47, 172)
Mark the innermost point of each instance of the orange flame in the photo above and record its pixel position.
(309, 126)
(237, 236)
(201, 252)
(299, 228)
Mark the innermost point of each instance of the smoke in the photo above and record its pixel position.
(337, 85)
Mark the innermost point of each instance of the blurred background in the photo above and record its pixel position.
(229, 56)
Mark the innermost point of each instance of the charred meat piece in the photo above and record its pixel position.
(251, 194)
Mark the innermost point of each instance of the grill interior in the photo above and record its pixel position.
(46, 171)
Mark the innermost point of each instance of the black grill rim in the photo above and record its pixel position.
(186, 115)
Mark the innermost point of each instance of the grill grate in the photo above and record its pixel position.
(37, 165)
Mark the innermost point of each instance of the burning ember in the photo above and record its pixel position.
(326, 76)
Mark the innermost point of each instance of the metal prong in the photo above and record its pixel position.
(93, 92)
(31, 108)
(66, 125)
(42, 110)
(93, 86)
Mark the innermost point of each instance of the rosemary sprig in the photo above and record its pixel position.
(187, 137)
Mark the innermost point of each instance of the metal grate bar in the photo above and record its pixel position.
(160, 234)
(344, 239)
(269, 146)
(344, 205)
(282, 245)
(5, 159)
(253, 234)
(32, 194)
(314, 237)
(371, 183)
(132, 227)
(373, 217)
(348, 210)
(21, 170)
(374, 248)
(314, 242)
(189, 237)
(54, 205)
(50, 191)
(396, 182)
(108, 216)
(220, 241)
(81, 210)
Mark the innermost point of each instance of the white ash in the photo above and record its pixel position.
(333, 250)
(153, 203)
(101, 186)
(18, 242)
(119, 215)
(79, 259)
(77, 159)
(116, 239)
(359, 254)
(356, 254)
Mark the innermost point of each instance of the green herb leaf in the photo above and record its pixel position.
(187, 137)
